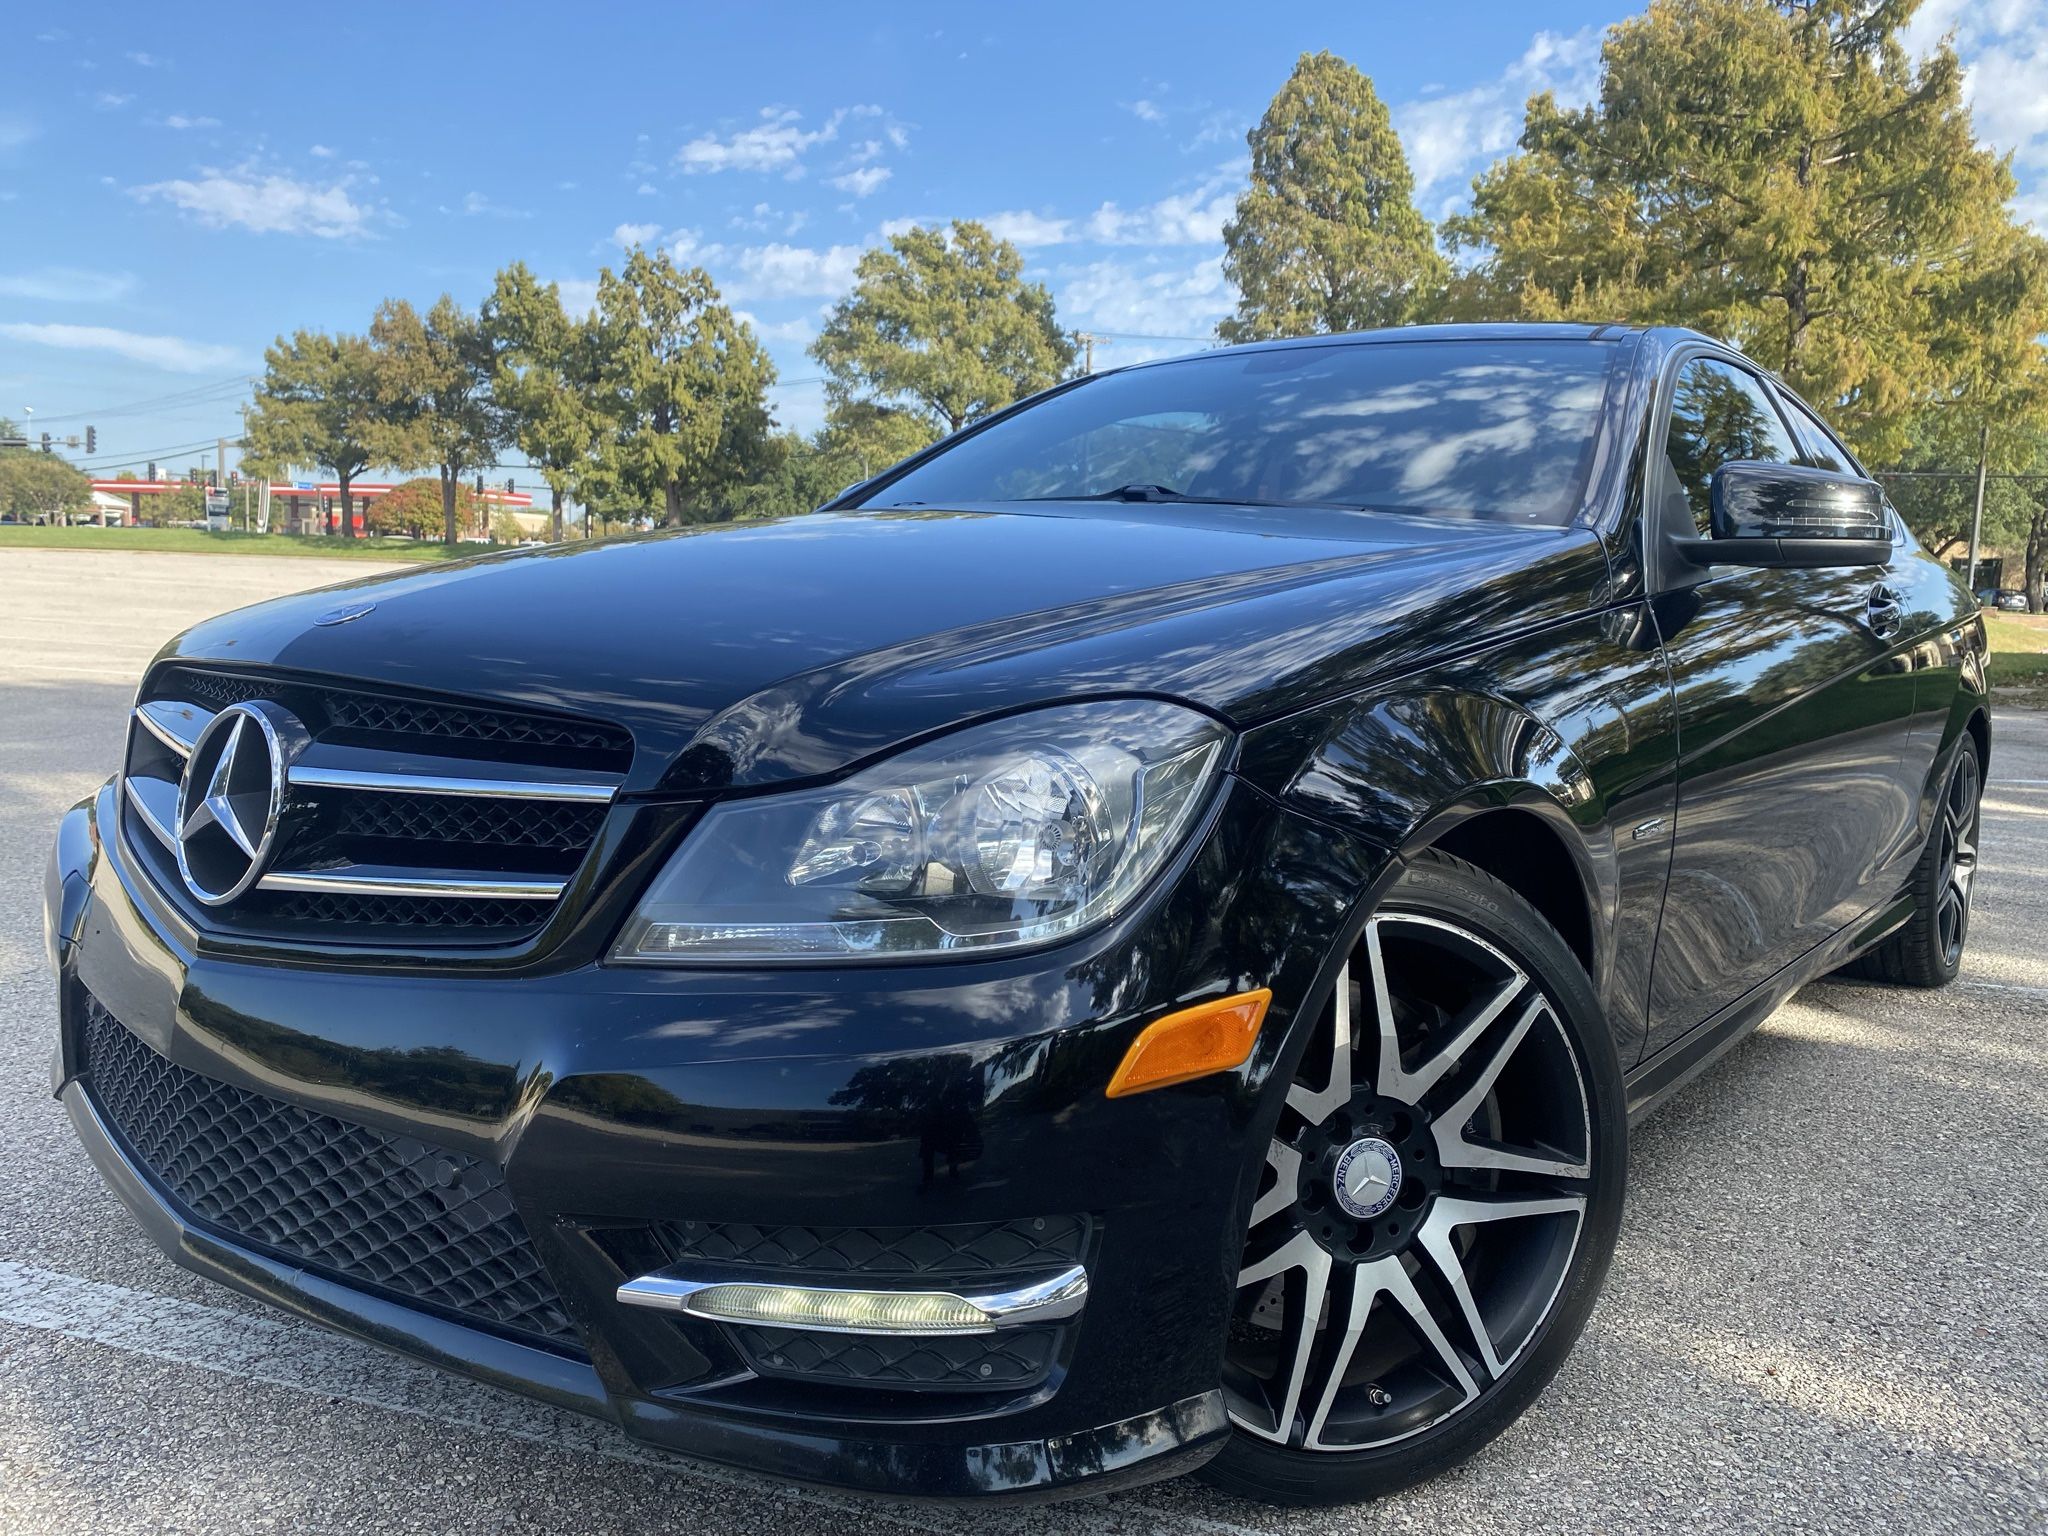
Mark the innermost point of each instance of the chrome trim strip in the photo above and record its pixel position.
(177, 725)
(377, 880)
(150, 815)
(1038, 1301)
(315, 777)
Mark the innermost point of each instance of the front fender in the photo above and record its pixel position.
(1571, 726)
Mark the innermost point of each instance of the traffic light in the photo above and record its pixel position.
(508, 485)
(46, 442)
(151, 476)
(92, 439)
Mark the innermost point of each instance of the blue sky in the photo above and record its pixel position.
(174, 192)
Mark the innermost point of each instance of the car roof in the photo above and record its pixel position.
(1559, 330)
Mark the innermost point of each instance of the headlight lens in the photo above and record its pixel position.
(1003, 835)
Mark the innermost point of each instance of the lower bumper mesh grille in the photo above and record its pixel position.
(421, 1224)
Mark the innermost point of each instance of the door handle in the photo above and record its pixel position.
(1885, 610)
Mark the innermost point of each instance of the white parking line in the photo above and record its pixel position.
(301, 1358)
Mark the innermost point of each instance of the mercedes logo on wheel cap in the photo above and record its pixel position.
(230, 797)
(1368, 1177)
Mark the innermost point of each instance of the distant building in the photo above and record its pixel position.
(301, 507)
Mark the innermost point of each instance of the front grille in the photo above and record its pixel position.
(322, 910)
(1013, 1358)
(390, 1214)
(462, 800)
(424, 725)
(453, 819)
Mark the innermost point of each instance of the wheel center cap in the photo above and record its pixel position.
(1368, 1177)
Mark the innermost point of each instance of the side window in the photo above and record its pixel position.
(1817, 445)
(1720, 413)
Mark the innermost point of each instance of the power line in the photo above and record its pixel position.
(189, 396)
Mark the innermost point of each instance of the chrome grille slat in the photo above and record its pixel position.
(384, 880)
(174, 723)
(156, 806)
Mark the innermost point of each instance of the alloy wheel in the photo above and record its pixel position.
(1424, 1193)
(1959, 816)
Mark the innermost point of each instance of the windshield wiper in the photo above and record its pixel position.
(1145, 492)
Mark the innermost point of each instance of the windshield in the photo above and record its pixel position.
(1493, 428)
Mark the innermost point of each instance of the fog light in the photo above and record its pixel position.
(829, 1309)
(783, 1306)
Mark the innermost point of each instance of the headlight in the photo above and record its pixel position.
(999, 836)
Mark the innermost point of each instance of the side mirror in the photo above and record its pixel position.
(1792, 515)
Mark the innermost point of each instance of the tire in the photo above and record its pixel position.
(1928, 950)
(1501, 1144)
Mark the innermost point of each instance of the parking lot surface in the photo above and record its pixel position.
(1828, 1311)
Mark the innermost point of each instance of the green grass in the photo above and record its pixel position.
(2019, 648)
(197, 541)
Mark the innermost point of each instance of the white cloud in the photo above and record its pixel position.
(16, 131)
(476, 205)
(321, 152)
(777, 143)
(170, 353)
(1448, 138)
(647, 189)
(146, 60)
(626, 236)
(579, 294)
(1147, 299)
(863, 181)
(112, 101)
(788, 333)
(181, 122)
(1193, 217)
(266, 204)
(1024, 229)
(773, 271)
(67, 285)
(1144, 111)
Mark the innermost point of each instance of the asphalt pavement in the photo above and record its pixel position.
(1828, 1310)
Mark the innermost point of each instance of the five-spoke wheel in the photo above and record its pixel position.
(1429, 1197)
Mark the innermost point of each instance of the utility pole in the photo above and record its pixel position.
(1977, 515)
(1087, 340)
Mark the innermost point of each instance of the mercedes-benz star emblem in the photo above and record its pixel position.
(230, 796)
(344, 614)
(1368, 1177)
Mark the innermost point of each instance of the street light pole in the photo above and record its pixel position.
(1977, 515)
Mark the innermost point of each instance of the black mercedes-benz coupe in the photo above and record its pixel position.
(1129, 942)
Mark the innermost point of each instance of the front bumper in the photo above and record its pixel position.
(813, 1109)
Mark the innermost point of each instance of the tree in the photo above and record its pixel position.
(1327, 237)
(36, 485)
(941, 326)
(320, 403)
(683, 386)
(861, 440)
(414, 509)
(1784, 177)
(546, 381)
(434, 392)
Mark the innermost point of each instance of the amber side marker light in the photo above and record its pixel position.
(1210, 1037)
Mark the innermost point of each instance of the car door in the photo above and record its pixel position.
(1792, 713)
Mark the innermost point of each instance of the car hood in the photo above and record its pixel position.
(746, 654)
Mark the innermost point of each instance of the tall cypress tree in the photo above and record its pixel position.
(1327, 237)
